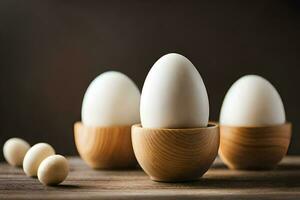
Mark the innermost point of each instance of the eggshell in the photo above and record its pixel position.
(53, 170)
(111, 99)
(14, 151)
(252, 101)
(34, 156)
(174, 95)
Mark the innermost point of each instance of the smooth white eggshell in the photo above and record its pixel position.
(174, 95)
(252, 101)
(14, 151)
(34, 156)
(111, 99)
(53, 170)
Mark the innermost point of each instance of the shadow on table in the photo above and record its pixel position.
(223, 183)
(243, 180)
(279, 167)
(283, 176)
(288, 167)
(66, 186)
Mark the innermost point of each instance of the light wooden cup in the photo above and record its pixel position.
(105, 147)
(254, 148)
(175, 155)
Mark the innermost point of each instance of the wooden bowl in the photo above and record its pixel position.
(105, 147)
(175, 155)
(254, 148)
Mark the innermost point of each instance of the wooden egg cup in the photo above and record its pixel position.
(105, 147)
(254, 148)
(175, 155)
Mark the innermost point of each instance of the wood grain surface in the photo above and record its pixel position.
(105, 147)
(254, 147)
(175, 155)
(217, 183)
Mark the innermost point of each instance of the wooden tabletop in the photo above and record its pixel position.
(217, 183)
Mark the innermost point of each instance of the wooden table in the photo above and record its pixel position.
(217, 183)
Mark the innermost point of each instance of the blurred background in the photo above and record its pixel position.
(51, 50)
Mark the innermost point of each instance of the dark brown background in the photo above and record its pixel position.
(51, 50)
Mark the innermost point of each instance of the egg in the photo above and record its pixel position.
(53, 170)
(112, 99)
(174, 95)
(252, 101)
(34, 156)
(14, 151)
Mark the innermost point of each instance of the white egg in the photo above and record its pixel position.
(14, 151)
(174, 95)
(111, 99)
(252, 101)
(53, 170)
(34, 156)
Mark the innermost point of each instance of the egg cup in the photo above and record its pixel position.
(105, 147)
(175, 155)
(254, 148)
